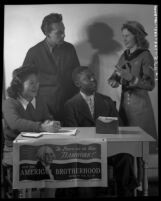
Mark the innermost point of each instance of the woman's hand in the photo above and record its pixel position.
(56, 125)
(125, 72)
(113, 83)
(50, 126)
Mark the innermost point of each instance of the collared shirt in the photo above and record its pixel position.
(25, 103)
(89, 100)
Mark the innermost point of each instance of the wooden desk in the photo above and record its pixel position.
(132, 140)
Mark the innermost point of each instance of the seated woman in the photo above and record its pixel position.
(22, 111)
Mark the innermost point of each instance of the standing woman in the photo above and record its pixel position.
(135, 72)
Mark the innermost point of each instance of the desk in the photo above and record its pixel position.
(132, 140)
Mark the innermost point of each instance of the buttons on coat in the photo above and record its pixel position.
(128, 98)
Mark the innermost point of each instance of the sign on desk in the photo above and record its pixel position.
(58, 165)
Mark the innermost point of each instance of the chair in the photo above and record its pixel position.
(6, 177)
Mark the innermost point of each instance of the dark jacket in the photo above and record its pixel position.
(77, 112)
(55, 73)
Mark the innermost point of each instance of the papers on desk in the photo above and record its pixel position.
(34, 135)
(107, 119)
(62, 131)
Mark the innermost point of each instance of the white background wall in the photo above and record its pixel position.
(85, 24)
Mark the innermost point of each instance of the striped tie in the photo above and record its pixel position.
(91, 105)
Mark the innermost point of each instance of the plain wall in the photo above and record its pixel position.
(94, 30)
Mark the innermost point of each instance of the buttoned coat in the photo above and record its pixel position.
(135, 107)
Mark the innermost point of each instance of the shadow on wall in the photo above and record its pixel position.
(100, 51)
(100, 36)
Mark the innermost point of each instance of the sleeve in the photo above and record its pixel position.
(74, 58)
(15, 121)
(146, 80)
(29, 59)
(69, 116)
(115, 76)
(69, 87)
(114, 112)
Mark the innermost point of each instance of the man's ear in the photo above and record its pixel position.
(77, 83)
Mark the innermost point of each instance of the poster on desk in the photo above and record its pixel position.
(60, 163)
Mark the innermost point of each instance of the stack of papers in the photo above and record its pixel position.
(107, 119)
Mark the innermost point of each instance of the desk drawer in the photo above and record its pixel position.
(134, 148)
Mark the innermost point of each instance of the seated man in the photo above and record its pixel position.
(80, 113)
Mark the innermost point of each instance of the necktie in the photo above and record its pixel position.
(30, 110)
(91, 105)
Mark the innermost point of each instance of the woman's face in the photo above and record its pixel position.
(128, 38)
(30, 87)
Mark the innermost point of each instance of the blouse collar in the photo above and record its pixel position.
(25, 103)
(129, 56)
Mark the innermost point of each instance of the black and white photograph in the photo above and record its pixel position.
(80, 101)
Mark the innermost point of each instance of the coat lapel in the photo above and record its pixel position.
(100, 107)
(55, 67)
(83, 108)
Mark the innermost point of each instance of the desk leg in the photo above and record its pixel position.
(145, 179)
(22, 193)
(135, 171)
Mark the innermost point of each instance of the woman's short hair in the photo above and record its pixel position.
(19, 75)
(44, 150)
(138, 31)
(49, 20)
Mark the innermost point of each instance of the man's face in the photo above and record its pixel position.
(48, 158)
(57, 34)
(87, 82)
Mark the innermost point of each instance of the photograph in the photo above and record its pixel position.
(88, 68)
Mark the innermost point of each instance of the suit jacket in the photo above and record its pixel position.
(77, 112)
(55, 73)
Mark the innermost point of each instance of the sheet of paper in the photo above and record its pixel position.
(62, 131)
(34, 135)
(107, 119)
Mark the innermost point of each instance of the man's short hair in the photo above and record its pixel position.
(48, 20)
(78, 71)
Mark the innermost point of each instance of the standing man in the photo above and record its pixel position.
(55, 60)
